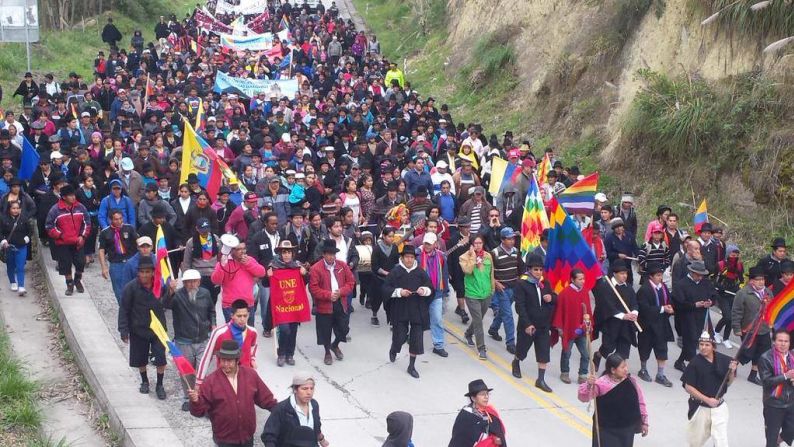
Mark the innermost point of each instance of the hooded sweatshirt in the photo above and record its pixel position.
(400, 426)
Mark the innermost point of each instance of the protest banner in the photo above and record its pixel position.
(252, 87)
(289, 302)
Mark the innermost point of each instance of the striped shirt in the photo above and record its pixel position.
(221, 333)
(505, 265)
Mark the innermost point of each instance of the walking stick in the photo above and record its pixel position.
(588, 334)
(620, 298)
(746, 344)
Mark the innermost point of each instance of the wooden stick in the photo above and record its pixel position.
(187, 384)
(176, 250)
(170, 269)
(620, 298)
(588, 334)
(751, 334)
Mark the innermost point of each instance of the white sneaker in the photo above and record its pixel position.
(22, 291)
(727, 344)
(14, 286)
(718, 338)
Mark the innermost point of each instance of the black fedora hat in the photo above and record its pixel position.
(779, 242)
(475, 386)
(230, 349)
(329, 246)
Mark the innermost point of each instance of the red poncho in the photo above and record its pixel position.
(569, 315)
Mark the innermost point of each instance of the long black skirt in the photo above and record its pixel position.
(614, 437)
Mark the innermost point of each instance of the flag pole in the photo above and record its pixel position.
(746, 343)
(588, 333)
(622, 302)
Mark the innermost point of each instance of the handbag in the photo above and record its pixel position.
(5, 249)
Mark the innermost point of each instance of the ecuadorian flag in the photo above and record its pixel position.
(162, 271)
(701, 216)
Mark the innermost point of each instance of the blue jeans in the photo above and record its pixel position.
(565, 358)
(227, 315)
(16, 257)
(116, 270)
(437, 320)
(502, 304)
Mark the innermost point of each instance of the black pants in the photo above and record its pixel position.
(540, 339)
(725, 302)
(648, 341)
(337, 322)
(403, 330)
(69, 256)
(610, 345)
(775, 420)
(287, 337)
(376, 295)
(366, 288)
(761, 344)
(214, 290)
(689, 335)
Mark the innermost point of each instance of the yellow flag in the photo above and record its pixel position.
(190, 145)
(158, 330)
(498, 168)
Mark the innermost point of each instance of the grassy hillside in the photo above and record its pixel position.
(61, 52)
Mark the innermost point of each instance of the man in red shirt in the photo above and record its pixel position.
(228, 396)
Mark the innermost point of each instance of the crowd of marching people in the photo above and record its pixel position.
(375, 200)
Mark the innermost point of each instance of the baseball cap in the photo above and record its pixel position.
(429, 238)
(143, 240)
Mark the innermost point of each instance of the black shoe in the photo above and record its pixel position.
(662, 380)
(469, 339)
(290, 360)
(392, 356)
(361, 300)
(679, 365)
(144, 388)
(495, 334)
(511, 349)
(280, 361)
(69, 290)
(440, 352)
(464, 318)
(596, 361)
(338, 353)
(753, 378)
(160, 391)
(516, 369)
(79, 286)
(643, 374)
(368, 305)
(267, 334)
(413, 372)
(351, 309)
(185, 406)
(541, 384)
(374, 321)
(328, 360)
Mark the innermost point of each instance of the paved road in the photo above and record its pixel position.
(357, 393)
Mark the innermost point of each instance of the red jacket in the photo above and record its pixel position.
(320, 285)
(66, 224)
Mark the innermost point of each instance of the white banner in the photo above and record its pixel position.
(247, 7)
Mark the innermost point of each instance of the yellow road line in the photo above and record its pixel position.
(564, 417)
(526, 380)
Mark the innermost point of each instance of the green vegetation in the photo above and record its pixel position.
(478, 86)
(775, 20)
(683, 118)
(20, 416)
(61, 52)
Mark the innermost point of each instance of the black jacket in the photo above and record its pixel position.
(469, 427)
(771, 268)
(136, 302)
(283, 420)
(770, 380)
(19, 226)
(531, 308)
(654, 322)
(607, 306)
(192, 321)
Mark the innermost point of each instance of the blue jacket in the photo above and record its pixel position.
(614, 246)
(130, 270)
(414, 179)
(109, 204)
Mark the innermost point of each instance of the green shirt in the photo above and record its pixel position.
(478, 284)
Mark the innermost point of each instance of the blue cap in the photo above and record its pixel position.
(507, 233)
(203, 224)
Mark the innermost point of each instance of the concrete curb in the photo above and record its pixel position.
(348, 9)
(133, 416)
